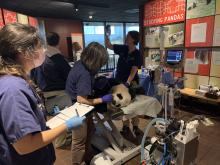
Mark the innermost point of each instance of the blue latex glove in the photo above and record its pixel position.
(74, 122)
(107, 98)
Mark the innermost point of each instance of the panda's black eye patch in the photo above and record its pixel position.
(119, 96)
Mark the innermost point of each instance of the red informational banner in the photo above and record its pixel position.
(9, 16)
(33, 21)
(1, 19)
(159, 12)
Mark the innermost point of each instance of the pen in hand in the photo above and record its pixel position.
(77, 112)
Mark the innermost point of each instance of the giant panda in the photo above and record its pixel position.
(123, 96)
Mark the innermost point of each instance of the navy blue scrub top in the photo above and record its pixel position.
(20, 115)
(126, 61)
(79, 82)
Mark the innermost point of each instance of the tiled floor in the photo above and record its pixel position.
(209, 146)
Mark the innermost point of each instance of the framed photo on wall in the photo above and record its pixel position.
(154, 55)
(200, 8)
(197, 61)
(199, 32)
(152, 37)
(174, 35)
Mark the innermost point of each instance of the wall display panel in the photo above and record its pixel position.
(1, 19)
(159, 12)
(217, 7)
(22, 18)
(215, 63)
(173, 35)
(215, 81)
(197, 61)
(193, 81)
(33, 21)
(202, 80)
(153, 57)
(199, 32)
(9, 16)
(152, 39)
(200, 8)
(216, 37)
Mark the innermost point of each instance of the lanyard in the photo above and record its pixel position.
(40, 103)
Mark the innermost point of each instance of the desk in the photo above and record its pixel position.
(191, 92)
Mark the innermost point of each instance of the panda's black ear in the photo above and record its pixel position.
(132, 92)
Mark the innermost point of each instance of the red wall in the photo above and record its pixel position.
(64, 28)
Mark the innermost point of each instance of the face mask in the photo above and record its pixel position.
(39, 57)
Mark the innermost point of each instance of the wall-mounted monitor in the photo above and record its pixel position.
(174, 57)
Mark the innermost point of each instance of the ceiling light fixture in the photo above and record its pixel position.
(76, 7)
(90, 17)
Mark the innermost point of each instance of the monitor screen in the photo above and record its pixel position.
(174, 56)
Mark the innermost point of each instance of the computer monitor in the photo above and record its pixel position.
(174, 57)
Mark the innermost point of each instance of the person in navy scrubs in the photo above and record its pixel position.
(79, 86)
(24, 137)
(127, 67)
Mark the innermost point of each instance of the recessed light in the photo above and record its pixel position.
(90, 17)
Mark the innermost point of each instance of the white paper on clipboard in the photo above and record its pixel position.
(68, 113)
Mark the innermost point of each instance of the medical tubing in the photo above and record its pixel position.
(147, 129)
(166, 104)
(162, 157)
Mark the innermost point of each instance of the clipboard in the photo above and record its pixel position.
(76, 109)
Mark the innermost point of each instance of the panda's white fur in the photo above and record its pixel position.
(121, 96)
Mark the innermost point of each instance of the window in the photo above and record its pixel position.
(131, 26)
(94, 32)
(117, 34)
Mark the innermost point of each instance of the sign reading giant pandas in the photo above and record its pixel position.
(159, 12)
